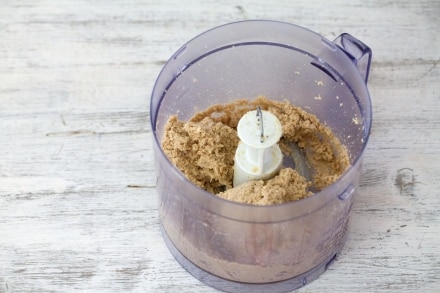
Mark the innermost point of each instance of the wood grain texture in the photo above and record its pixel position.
(78, 207)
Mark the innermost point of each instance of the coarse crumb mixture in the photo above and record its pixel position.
(204, 147)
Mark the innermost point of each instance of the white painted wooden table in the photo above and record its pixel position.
(78, 207)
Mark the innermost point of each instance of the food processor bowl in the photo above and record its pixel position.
(238, 247)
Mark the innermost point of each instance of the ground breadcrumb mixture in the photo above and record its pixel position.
(204, 147)
(288, 185)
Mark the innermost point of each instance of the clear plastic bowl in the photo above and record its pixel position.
(244, 248)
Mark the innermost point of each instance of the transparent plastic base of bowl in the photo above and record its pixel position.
(235, 287)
